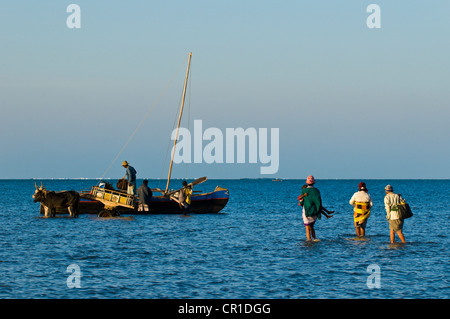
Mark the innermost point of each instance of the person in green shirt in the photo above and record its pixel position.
(312, 207)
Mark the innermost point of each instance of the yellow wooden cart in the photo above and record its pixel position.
(111, 199)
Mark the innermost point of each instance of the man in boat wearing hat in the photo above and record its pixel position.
(130, 176)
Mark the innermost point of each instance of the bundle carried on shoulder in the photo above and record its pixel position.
(122, 184)
(404, 210)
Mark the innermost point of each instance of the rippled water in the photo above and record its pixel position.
(255, 248)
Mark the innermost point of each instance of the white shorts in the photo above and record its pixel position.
(307, 221)
(131, 189)
(143, 208)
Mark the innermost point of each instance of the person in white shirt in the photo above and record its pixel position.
(362, 203)
(391, 200)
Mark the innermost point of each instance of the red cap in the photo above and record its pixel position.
(362, 187)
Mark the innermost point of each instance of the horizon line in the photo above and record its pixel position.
(240, 178)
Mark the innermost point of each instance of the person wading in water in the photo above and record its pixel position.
(391, 200)
(362, 204)
(312, 207)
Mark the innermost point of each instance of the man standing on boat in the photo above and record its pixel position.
(130, 176)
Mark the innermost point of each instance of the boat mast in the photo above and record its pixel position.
(178, 125)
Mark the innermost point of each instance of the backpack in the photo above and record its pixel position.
(403, 209)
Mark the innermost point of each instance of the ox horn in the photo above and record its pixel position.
(42, 186)
(35, 185)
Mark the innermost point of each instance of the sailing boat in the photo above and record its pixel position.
(111, 202)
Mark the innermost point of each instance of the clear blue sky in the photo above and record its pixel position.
(349, 101)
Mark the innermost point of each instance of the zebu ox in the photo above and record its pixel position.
(51, 200)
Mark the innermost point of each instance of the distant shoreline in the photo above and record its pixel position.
(230, 179)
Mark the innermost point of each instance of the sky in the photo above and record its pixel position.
(349, 101)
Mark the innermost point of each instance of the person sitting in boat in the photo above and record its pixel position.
(144, 194)
(184, 197)
(130, 176)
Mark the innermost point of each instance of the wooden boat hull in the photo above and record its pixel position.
(207, 203)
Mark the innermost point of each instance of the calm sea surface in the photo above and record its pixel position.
(255, 248)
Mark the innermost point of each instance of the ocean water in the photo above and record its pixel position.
(255, 248)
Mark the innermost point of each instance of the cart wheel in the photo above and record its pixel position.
(105, 213)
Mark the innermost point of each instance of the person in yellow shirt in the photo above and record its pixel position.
(184, 197)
